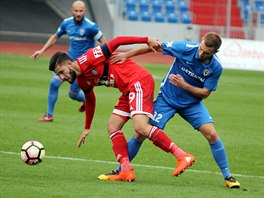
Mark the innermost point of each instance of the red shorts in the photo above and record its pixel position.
(139, 100)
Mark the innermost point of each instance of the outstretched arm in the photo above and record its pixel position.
(90, 102)
(121, 57)
(113, 44)
(52, 40)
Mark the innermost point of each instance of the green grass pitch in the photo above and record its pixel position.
(237, 107)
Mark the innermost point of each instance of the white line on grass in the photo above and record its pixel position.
(139, 165)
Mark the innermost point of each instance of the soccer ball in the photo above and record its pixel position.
(32, 152)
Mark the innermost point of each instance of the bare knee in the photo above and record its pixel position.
(139, 137)
(115, 123)
(209, 132)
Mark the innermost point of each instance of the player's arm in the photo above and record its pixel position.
(103, 40)
(51, 41)
(121, 57)
(113, 44)
(90, 102)
(178, 81)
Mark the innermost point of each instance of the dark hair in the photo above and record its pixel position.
(212, 39)
(58, 59)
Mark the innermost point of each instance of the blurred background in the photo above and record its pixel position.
(34, 20)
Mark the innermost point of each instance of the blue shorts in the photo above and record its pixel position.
(196, 115)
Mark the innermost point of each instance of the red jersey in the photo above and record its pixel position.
(120, 76)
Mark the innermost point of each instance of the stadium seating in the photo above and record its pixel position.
(168, 11)
(183, 6)
(132, 15)
(172, 18)
(186, 18)
(214, 13)
(259, 6)
(252, 11)
(130, 5)
(145, 16)
(169, 7)
(143, 6)
(159, 17)
(156, 6)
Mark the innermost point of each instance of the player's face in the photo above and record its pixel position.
(65, 73)
(205, 53)
(78, 12)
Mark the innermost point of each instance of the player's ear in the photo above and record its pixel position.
(69, 63)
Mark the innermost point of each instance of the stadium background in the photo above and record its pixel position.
(33, 21)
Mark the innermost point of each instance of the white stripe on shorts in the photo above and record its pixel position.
(139, 98)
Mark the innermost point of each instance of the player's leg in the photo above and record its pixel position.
(77, 94)
(55, 83)
(141, 106)
(119, 146)
(219, 153)
(199, 117)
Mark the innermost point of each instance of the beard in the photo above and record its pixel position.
(73, 76)
(78, 19)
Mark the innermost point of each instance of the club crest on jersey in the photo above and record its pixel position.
(206, 72)
(97, 52)
(81, 31)
(94, 72)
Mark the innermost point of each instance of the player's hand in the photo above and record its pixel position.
(177, 80)
(154, 44)
(83, 137)
(36, 55)
(118, 58)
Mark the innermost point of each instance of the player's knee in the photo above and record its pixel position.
(139, 137)
(73, 95)
(141, 128)
(211, 136)
(55, 83)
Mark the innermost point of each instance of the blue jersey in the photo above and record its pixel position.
(82, 36)
(194, 72)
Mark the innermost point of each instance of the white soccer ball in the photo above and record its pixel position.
(32, 152)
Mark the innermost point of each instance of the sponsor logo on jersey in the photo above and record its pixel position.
(190, 73)
(76, 38)
(97, 52)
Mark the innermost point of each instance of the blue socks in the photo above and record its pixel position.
(219, 153)
(133, 147)
(53, 94)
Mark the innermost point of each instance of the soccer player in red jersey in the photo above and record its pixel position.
(136, 102)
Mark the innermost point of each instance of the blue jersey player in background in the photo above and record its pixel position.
(82, 34)
(192, 77)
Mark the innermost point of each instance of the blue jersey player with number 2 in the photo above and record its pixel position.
(82, 34)
(192, 77)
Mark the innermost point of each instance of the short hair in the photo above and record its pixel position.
(212, 39)
(58, 58)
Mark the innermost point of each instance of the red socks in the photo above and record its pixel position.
(161, 140)
(120, 149)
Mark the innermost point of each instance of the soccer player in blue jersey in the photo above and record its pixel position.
(82, 34)
(193, 75)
